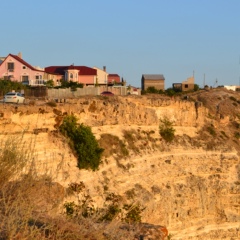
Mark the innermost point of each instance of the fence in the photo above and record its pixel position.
(63, 93)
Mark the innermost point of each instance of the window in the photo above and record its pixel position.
(24, 78)
(24, 67)
(10, 67)
(71, 75)
(38, 77)
(186, 85)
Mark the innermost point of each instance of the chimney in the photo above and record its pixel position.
(104, 68)
(20, 55)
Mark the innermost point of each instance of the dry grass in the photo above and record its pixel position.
(28, 203)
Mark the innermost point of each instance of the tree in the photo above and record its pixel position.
(7, 86)
(166, 129)
(83, 142)
(196, 87)
(50, 83)
(152, 90)
(170, 92)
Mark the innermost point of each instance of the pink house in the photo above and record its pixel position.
(14, 68)
(79, 74)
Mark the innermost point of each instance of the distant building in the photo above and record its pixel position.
(153, 80)
(14, 68)
(233, 88)
(104, 78)
(186, 85)
(80, 74)
(114, 79)
(2, 59)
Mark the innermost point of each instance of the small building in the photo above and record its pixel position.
(105, 78)
(114, 79)
(186, 85)
(177, 87)
(153, 80)
(232, 87)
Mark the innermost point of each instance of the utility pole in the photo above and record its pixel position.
(204, 80)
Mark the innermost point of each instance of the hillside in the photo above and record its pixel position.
(190, 186)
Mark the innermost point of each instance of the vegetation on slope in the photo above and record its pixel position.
(83, 142)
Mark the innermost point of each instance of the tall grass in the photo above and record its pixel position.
(25, 208)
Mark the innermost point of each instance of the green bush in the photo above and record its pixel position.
(233, 98)
(237, 135)
(70, 84)
(211, 130)
(111, 212)
(133, 214)
(8, 86)
(196, 87)
(83, 142)
(152, 90)
(166, 129)
(51, 104)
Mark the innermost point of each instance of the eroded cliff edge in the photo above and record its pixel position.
(191, 186)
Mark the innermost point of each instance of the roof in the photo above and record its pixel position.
(23, 62)
(153, 76)
(83, 70)
(113, 75)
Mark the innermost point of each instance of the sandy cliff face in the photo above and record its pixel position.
(190, 189)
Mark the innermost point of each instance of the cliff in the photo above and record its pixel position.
(191, 185)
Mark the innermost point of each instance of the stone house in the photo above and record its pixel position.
(186, 85)
(153, 80)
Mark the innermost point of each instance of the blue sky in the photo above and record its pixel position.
(176, 38)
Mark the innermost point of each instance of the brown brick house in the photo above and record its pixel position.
(153, 80)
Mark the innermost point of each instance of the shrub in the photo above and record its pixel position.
(152, 90)
(51, 104)
(233, 98)
(83, 142)
(196, 87)
(166, 129)
(113, 145)
(237, 135)
(110, 213)
(133, 214)
(211, 130)
(170, 92)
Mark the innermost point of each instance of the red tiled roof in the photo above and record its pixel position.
(113, 75)
(23, 62)
(83, 70)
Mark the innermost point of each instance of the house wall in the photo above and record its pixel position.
(233, 88)
(188, 84)
(18, 71)
(87, 79)
(177, 86)
(72, 75)
(54, 77)
(102, 76)
(158, 84)
(113, 79)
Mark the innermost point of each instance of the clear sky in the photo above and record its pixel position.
(176, 38)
